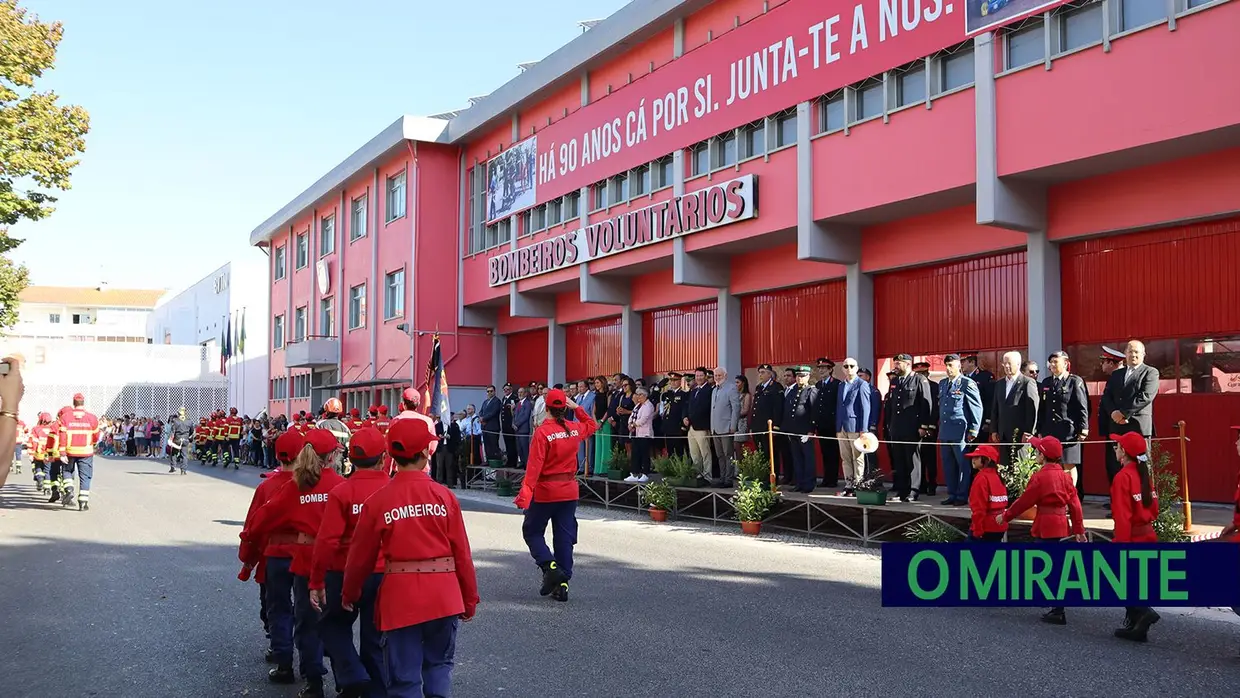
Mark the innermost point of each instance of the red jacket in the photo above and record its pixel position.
(251, 552)
(38, 442)
(382, 424)
(551, 474)
(1052, 491)
(233, 426)
(344, 508)
(291, 511)
(1235, 517)
(412, 519)
(1133, 521)
(354, 424)
(78, 432)
(987, 499)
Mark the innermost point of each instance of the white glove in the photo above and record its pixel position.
(805, 438)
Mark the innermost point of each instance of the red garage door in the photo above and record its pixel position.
(592, 348)
(793, 325)
(680, 338)
(527, 357)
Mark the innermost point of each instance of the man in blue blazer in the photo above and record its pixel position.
(852, 417)
(960, 418)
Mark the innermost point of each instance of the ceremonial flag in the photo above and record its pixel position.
(435, 396)
(223, 350)
(227, 353)
(241, 335)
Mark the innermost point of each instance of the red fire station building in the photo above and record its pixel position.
(745, 181)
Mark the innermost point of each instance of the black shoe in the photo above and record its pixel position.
(1055, 616)
(959, 503)
(948, 502)
(172, 469)
(312, 689)
(357, 690)
(282, 674)
(83, 506)
(1138, 631)
(269, 656)
(552, 578)
(55, 497)
(561, 592)
(913, 495)
(849, 493)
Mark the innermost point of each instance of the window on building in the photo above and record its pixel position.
(277, 332)
(598, 195)
(555, 212)
(1193, 4)
(327, 236)
(956, 70)
(832, 113)
(396, 196)
(1080, 27)
(540, 217)
(277, 261)
(1210, 365)
(303, 250)
(911, 86)
(620, 188)
(53, 318)
(327, 317)
(664, 172)
(394, 294)
(786, 129)
(868, 102)
(1026, 45)
(299, 324)
(700, 158)
(81, 319)
(357, 219)
(503, 231)
(357, 306)
(726, 153)
(753, 139)
(1138, 13)
(572, 205)
(639, 181)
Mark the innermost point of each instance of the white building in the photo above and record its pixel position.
(233, 297)
(98, 314)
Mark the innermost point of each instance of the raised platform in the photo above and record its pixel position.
(822, 514)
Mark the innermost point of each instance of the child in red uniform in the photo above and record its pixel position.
(413, 525)
(1230, 531)
(356, 676)
(289, 520)
(1052, 492)
(549, 492)
(1134, 506)
(987, 496)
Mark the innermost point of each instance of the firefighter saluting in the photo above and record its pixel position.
(77, 436)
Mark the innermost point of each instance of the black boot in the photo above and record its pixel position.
(1055, 616)
(55, 497)
(552, 578)
(561, 592)
(282, 674)
(1140, 627)
(269, 656)
(312, 689)
(357, 690)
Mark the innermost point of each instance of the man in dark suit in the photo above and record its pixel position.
(509, 402)
(768, 405)
(800, 409)
(1064, 413)
(1109, 361)
(1131, 391)
(1014, 414)
(929, 452)
(828, 390)
(522, 418)
(907, 420)
(450, 439)
(489, 415)
(675, 402)
(697, 419)
(985, 381)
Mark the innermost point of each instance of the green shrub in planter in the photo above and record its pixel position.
(618, 463)
(683, 472)
(871, 490)
(1016, 476)
(933, 531)
(753, 465)
(1169, 524)
(752, 502)
(664, 466)
(659, 495)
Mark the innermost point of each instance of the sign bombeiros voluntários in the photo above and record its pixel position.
(713, 206)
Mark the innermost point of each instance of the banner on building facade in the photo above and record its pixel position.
(718, 204)
(988, 15)
(511, 185)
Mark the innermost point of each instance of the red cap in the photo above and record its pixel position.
(1048, 446)
(556, 398)
(985, 450)
(382, 409)
(1236, 428)
(1132, 443)
(407, 438)
(79, 397)
(366, 443)
(288, 445)
(411, 395)
(355, 412)
(323, 441)
(232, 410)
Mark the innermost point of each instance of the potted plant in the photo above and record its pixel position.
(933, 531)
(871, 491)
(504, 487)
(683, 471)
(1169, 524)
(660, 498)
(1016, 476)
(663, 465)
(618, 464)
(754, 465)
(752, 503)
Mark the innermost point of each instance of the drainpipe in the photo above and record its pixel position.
(414, 210)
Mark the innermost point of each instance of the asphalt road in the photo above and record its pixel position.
(138, 597)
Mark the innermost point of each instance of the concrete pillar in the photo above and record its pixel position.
(499, 358)
(530, 304)
(818, 242)
(729, 332)
(859, 307)
(630, 341)
(1045, 316)
(602, 289)
(555, 353)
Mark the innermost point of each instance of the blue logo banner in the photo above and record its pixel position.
(1061, 574)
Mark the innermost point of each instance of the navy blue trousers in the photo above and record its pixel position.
(279, 588)
(563, 519)
(306, 630)
(418, 659)
(350, 667)
(803, 464)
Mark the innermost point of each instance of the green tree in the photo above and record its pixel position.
(39, 138)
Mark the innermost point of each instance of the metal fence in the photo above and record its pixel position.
(142, 399)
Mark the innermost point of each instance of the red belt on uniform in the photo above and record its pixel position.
(430, 566)
(558, 477)
(1142, 530)
(290, 539)
(1053, 511)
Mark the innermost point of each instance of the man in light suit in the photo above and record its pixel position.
(522, 418)
(960, 421)
(1130, 393)
(489, 415)
(1015, 414)
(852, 416)
(725, 414)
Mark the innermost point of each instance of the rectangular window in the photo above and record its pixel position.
(327, 236)
(1193, 4)
(572, 205)
(1138, 13)
(53, 318)
(277, 332)
(620, 186)
(639, 181)
(786, 130)
(396, 197)
(490, 235)
(832, 111)
(664, 168)
(700, 155)
(1026, 46)
(394, 294)
(327, 317)
(357, 220)
(754, 139)
(504, 231)
(277, 260)
(726, 147)
(303, 250)
(1210, 365)
(357, 306)
(299, 324)
(540, 217)
(869, 102)
(1079, 27)
(911, 87)
(527, 221)
(956, 70)
(555, 212)
(598, 195)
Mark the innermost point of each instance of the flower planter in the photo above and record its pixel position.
(873, 499)
(682, 481)
(616, 474)
(1027, 515)
(751, 528)
(658, 514)
(495, 463)
(503, 488)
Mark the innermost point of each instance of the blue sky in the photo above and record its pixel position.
(207, 117)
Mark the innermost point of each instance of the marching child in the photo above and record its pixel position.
(1134, 506)
(987, 496)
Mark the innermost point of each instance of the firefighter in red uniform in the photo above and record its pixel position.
(38, 452)
(220, 433)
(77, 436)
(291, 517)
(382, 422)
(355, 422)
(1052, 491)
(549, 492)
(1134, 506)
(276, 607)
(51, 452)
(200, 440)
(233, 425)
(413, 527)
(987, 496)
(355, 676)
(371, 416)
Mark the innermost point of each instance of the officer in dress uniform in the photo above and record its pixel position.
(1110, 359)
(1064, 413)
(507, 410)
(929, 452)
(908, 421)
(985, 381)
(674, 402)
(768, 404)
(960, 421)
(800, 411)
(828, 392)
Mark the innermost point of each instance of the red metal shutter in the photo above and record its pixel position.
(527, 357)
(680, 338)
(1173, 282)
(793, 325)
(592, 348)
(971, 305)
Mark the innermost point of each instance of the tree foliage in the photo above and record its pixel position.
(13, 278)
